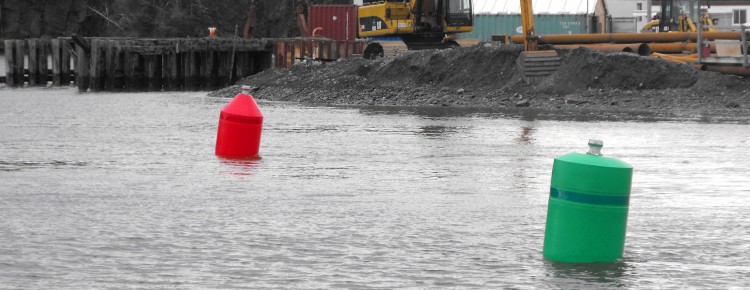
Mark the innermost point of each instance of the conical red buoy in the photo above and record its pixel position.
(240, 124)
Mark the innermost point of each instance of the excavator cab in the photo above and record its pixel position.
(394, 26)
(458, 13)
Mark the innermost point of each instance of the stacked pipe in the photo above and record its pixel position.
(678, 47)
(628, 37)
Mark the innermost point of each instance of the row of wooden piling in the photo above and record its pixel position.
(296, 50)
(169, 64)
(130, 64)
(30, 60)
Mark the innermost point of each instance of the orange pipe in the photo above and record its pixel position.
(676, 47)
(316, 30)
(735, 70)
(628, 37)
(641, 49)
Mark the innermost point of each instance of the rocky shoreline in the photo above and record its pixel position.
(485, 76)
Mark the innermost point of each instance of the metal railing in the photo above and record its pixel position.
(743, 42)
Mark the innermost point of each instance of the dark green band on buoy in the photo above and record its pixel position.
(588, 198)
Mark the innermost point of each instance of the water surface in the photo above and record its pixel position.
(109, 190)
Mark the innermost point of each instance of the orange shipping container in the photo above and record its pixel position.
(337, 22)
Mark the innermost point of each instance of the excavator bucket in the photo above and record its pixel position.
(537, 65)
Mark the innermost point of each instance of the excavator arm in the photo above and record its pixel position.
(527, 22)
(533, 63)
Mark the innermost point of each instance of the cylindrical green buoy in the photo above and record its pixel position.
(588, 207)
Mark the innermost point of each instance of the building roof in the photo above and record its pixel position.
(539, 6)
(715, 2)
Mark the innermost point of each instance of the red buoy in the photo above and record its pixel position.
(240, 124)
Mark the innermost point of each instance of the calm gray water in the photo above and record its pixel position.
(123, 191)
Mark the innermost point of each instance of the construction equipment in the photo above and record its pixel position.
(628, 37)
(673, 19)
(534, 64)
(400, 25)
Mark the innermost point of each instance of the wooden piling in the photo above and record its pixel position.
(119, 70)
(97, 67)
(43, 62)
(152, 68)
(171, 70)
(325, 50)
(280, 53)
(19, 73)
(290, 54)
(242, 65)
(65, 46)
(33, 60)
(82, 68)
(140, 72)
(109, 65)
(190, 70)
(10, 79)
(251, 63)
(232, 63)
(130, 63)
(112, 64)
(56, 62)
(346, 52)
(224, 67)
(207, 70)
(301, 50)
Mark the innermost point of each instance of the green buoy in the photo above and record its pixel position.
(588, 207)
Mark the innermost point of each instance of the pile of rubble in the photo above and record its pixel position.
(487, 76)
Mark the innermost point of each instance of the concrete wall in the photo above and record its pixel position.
(629, 8)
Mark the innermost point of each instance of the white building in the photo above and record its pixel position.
(728, 13)
(618, 15)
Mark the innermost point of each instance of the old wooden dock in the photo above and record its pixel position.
(130, 64)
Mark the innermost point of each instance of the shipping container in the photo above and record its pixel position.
(337, 22)
(487, 25)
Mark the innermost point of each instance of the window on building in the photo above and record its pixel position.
(639, 6)
(739, 16)
(640, 18)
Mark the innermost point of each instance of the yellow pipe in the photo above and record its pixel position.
(676, 58)
(628, 37)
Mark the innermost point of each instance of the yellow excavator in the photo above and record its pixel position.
(425, 24)
(670, 20)
(395, 26)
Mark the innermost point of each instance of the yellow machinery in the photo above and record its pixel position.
(684, 24)
(534, 64)
(398, 25)
(672, 21)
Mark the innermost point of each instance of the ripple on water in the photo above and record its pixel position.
(123, 190)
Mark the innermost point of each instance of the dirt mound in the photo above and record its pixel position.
(584, 68)
(487, 67)
(487, 76)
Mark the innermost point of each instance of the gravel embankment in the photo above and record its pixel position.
(486, 76)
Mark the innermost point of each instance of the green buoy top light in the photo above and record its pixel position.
(595, 147)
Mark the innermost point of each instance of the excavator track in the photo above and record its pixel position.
(387, 48)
